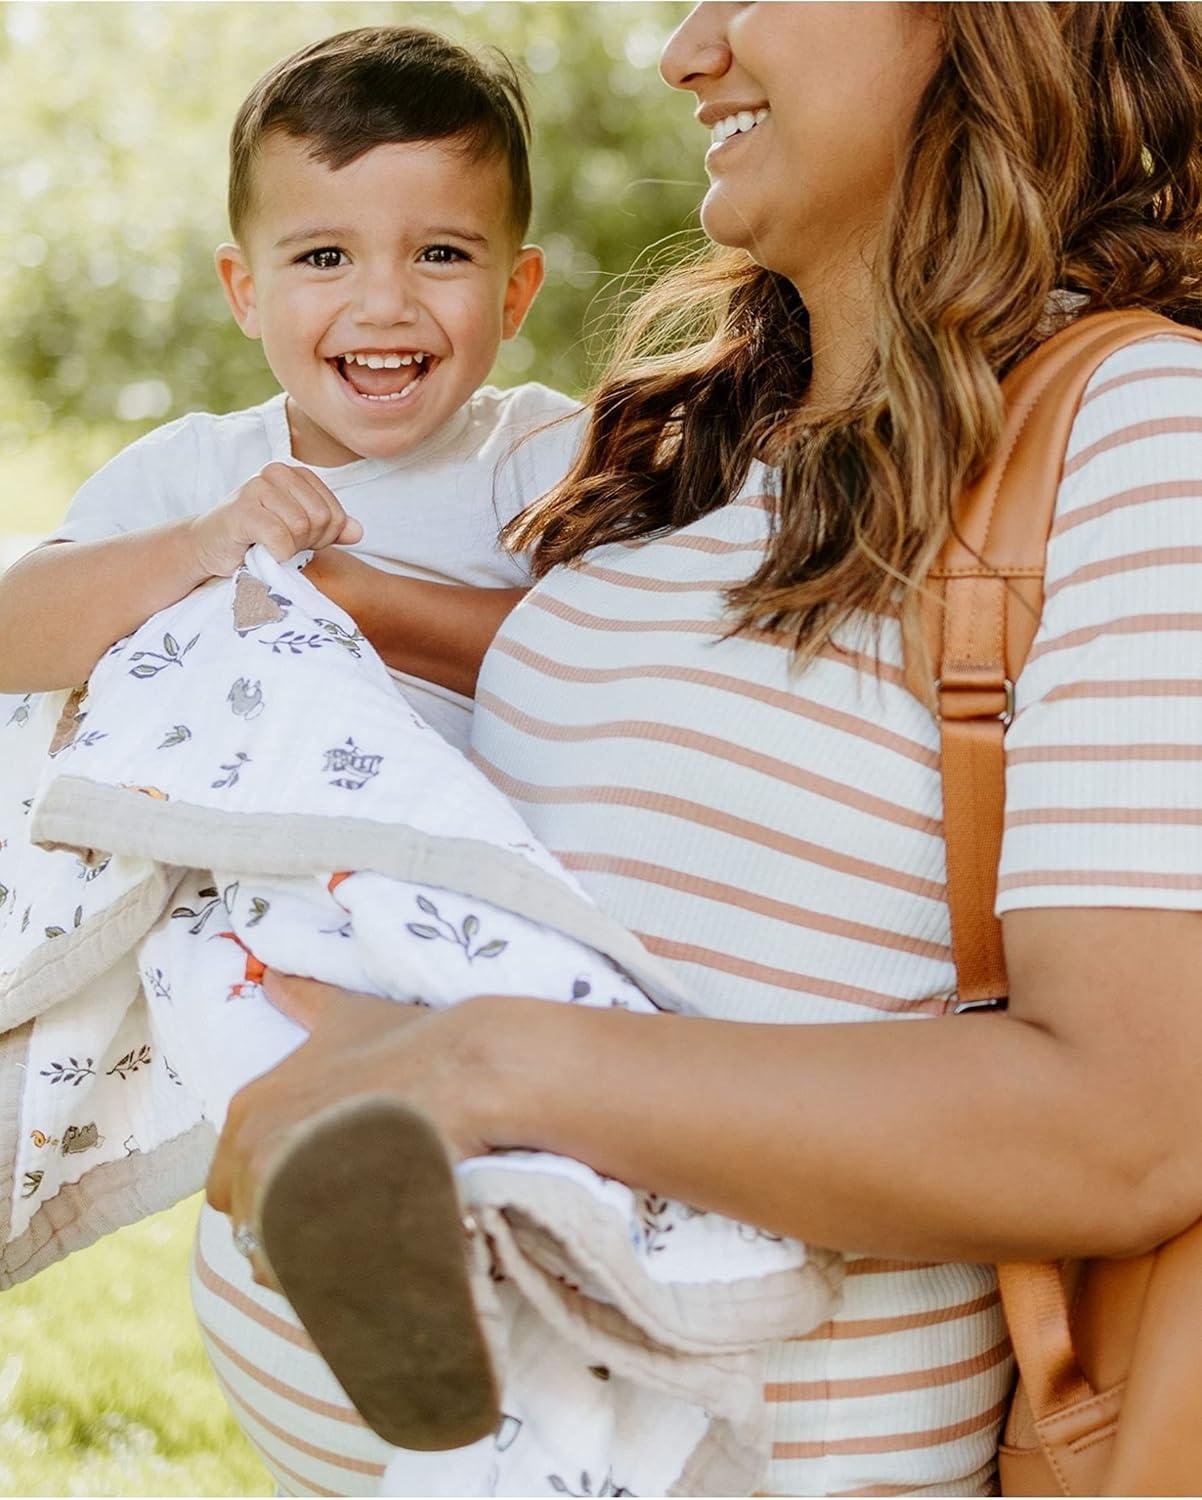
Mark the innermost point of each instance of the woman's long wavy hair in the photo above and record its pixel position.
(1056, 146)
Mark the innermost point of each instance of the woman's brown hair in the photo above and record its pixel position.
(1058, 146)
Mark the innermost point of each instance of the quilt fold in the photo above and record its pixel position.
(240, 785)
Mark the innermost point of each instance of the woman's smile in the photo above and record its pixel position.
(734, 128)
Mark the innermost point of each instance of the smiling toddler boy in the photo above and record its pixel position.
(379, 196)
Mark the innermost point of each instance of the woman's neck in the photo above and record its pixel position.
(840, 306)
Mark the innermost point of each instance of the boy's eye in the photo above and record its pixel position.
(324, 259)
(443, 255)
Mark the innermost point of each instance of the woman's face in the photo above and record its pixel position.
(815, 103)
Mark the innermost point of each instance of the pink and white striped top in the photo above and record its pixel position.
(778, 839)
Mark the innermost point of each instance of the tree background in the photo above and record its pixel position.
(114, 120)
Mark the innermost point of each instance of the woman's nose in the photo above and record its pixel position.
(697, 49)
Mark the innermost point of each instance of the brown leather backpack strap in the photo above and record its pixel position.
(982, 611)
(1034, 1300)
(985, 597)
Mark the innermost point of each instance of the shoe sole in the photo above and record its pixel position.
(360, 1224)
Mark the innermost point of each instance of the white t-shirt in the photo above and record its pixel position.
(433, 513)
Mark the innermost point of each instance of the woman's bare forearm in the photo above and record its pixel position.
(930, 1141)
(1068, 1126)
(62, 606)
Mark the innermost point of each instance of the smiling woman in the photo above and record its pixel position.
(702, 710)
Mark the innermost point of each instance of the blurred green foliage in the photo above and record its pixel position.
(114, 119)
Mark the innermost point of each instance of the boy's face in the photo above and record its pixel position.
(407, 256)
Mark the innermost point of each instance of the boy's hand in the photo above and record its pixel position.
(286, 508)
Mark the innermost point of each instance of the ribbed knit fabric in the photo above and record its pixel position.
(778, 838)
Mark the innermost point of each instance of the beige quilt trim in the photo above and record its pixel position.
(63, 966)
(75, 812)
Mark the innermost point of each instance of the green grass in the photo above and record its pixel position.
(38, 480)
(104, 1386)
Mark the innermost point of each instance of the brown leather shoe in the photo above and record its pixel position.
(359, 1221)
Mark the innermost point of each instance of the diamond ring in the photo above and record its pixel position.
(246, 1241)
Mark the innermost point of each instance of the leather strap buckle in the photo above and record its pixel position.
(970, 701)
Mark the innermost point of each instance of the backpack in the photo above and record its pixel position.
(1109, 1353)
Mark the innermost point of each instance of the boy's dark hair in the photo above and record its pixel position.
(380, 85)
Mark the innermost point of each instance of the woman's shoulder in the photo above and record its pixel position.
(1136, 441)
(1103, 795)
(1155, 379)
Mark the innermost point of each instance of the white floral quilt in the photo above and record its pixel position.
(241, 784)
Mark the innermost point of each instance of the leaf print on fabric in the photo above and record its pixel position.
(353, 767)
(133, 1060)
(82, 741)
(33, 1181)
(172, 1074)
(447, 932)
(232, 771)
(76, 921)
(350, 640)
(72, 1071)
(3, 895)
(212, 902)
(259, 909)
(87, 872)
(172, 655)
(20, 714)
(296, 642)
(655, 1213)
(608, 1487)
(245, 698)
(176, 735)
(155, 982)
(507, 1430)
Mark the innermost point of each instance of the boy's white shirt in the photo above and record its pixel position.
(433, 513)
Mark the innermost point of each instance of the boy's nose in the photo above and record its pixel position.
(386, 299)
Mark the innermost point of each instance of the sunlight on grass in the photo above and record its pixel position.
(104, 1386)
(38, 479)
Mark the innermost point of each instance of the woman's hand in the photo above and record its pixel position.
(440, 1061)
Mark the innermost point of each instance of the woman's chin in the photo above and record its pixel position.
(727, 225)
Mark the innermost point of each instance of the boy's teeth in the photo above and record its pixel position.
(384, 361)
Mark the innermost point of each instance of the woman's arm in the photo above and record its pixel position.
(1068, 1126)
(436, 631)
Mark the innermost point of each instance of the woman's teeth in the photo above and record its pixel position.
(738, 124)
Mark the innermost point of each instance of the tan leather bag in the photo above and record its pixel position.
(1109, 1400)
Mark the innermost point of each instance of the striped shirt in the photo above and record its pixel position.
(776, 837)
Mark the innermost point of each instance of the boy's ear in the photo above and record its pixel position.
(239, 287)
(522, 287)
